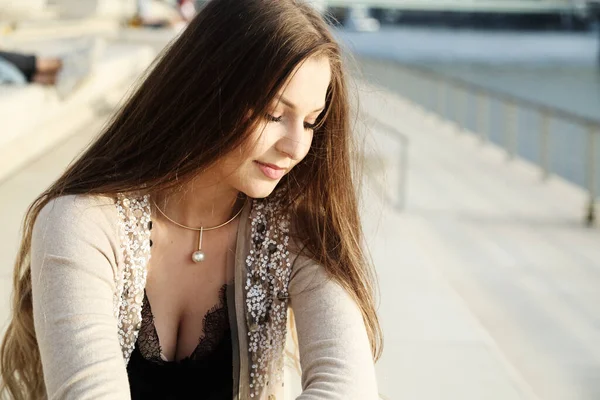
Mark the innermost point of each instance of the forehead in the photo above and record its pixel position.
(307, 86)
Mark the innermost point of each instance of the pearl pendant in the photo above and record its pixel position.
(198, 256)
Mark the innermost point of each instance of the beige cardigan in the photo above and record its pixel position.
(88, 263)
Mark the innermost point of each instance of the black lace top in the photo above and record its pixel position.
(206, 373)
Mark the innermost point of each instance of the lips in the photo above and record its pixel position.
(271, 171)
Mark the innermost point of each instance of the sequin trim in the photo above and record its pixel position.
(268, 271)
(134, 216)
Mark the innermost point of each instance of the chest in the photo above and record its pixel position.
(262, 269)
(183, 293)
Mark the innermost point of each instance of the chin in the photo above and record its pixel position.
(259, 190)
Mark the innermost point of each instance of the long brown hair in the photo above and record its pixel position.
(199, 101)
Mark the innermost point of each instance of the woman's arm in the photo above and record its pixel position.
(73, 259)
(335, 354)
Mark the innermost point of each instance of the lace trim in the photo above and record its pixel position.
(215, 327)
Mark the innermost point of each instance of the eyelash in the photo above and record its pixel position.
(278, 119)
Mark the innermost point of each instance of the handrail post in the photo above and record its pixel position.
(545, 145)
(591, 175)
(455, 106)
(466, 112)
(434, 83)
(403, 174)
(483, 116)
(441, 101)
(511, 130)
(463, 112)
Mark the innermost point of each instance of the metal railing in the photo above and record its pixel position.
(517, 6)
(403, 160)
(450, 98)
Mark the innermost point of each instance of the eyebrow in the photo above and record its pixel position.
(293, 106)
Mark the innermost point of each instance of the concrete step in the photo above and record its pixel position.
(488, 277)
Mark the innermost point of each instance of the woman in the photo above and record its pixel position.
(163, 261)
(66, 73)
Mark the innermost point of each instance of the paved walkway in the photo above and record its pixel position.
(489, 283)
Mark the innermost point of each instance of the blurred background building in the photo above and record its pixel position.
(479, 122)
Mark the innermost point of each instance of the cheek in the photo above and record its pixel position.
(261, 140)
(306, 145)
(232, 161)
(309, 142)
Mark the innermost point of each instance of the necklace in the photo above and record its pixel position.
(198, 255)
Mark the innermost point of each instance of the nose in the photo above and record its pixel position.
(296, 141)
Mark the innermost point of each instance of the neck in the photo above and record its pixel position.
(196, 205)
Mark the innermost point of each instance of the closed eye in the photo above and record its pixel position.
(310, 126)
(273, 119)
(278, 119)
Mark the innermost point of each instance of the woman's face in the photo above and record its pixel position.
(284, 138)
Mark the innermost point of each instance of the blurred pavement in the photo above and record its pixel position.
(489, 279)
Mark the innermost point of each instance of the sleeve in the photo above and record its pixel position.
(335, 353)
(73, 259)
